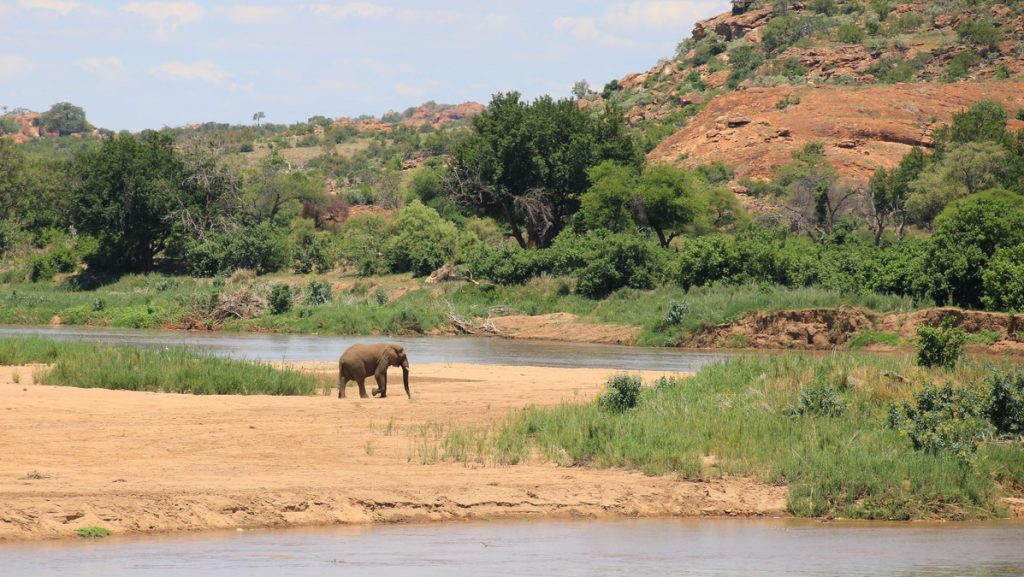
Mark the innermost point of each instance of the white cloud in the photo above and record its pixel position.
(202, 70)
(109, 69)
(12, 67)
(63, 7)
(172, 15)
(249, 14)
(353, 10)
(620, 21)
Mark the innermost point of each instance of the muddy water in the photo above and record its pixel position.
(471, 350)
(635, 548)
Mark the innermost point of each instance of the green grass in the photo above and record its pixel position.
(849, 466)
(168, 370)
(872, 337)
(155, 301)
(92, 532)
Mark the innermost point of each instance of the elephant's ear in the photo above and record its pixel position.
(387, 357)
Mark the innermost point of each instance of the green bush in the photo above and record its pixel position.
(263, 248)
(705, 260)
(422, 241)
(318, 293)
(1003, 280)
(819, 400)
(280, 299)
(623, 394)
(603, 262)
(676, 313)
(941, 346)
(960, 66)
(1006, 405)
(510, 265)
(850, 33)
(944, 419)
(363, 244)
(983, 33)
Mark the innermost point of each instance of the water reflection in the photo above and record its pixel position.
(734, 548)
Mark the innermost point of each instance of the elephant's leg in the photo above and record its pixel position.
(341, 388)
(362, 388)
(382, 385)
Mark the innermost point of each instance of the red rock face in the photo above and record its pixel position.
(430, 114)
(862, 128)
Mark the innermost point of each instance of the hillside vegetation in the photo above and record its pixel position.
(559, 205)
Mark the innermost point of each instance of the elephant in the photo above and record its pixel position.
(360, 361)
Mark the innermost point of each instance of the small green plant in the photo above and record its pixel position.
(92, 532)
(677, 312)
(850, 33)
(280, 299)
(623, 394)
(98, 305)
(380, 297)
(318, 292)
(820, 400)
(1006, 408)
(944, 418)
(787, 102)
(941, 346)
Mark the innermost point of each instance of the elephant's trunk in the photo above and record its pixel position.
(405, 378)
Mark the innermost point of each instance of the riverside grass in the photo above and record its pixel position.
(742, 413)
(157, 301)
(167, 370)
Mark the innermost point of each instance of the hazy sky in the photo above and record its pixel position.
(141, 65)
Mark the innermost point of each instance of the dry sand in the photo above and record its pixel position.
(148, 462)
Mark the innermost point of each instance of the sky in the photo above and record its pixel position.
(137, 65)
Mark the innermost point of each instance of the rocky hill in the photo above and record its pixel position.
(868, 78)
(429, 114)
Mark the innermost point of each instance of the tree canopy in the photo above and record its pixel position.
(526, 163)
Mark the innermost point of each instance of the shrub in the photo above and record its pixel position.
(850, 33)
(510, 265)
(676, 313)
(941, 346)
(422, 240)
(318, 292)
(263, 248)
(362, 244)
(280, 299)
(604, 262)
(705, 260)
(943, 419)
(820, 400)
(1006, 404)
(1003, 280)
(623, 394)
(960, 66)
(983, 34)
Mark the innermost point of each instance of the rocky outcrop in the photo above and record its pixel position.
(831, 328)
(757, 130)
(429, 114)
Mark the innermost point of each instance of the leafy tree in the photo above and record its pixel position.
(363, 244)
(607, 203)
(967, 234)
(274, 193)
(422, 241)
(125, 197)
(14, 180)
(964, 169)
(258, 116)
(526, 163)
(814, 200)
(668, 200)
(581, 90)
(1003, 280)
(64, 118)
(888, 191)
(985, 121)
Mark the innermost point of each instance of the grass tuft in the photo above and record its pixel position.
(168, 370)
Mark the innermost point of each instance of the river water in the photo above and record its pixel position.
(635, 548)
(471, 350)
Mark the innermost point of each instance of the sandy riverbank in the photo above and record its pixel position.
(145, 462)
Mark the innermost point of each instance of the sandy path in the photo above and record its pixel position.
(142, 462)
